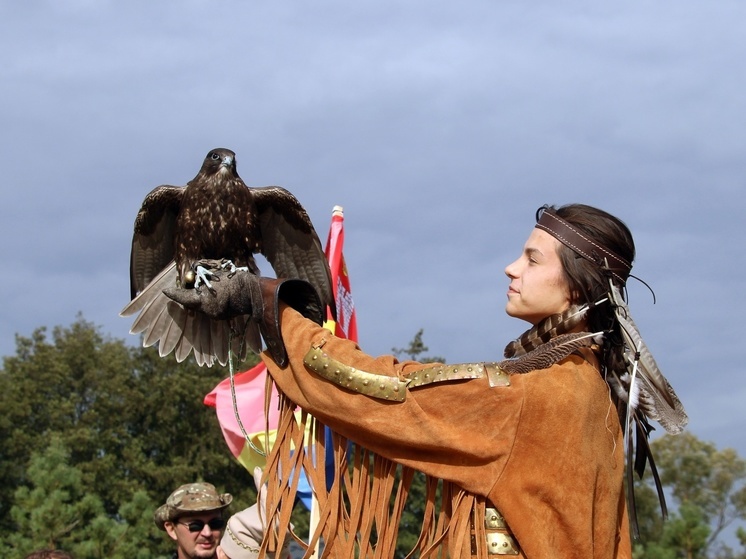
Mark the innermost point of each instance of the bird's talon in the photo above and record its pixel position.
(232, 268)
(228, 265)
(203, 274)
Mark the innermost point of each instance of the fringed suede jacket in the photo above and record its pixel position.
(528, 465)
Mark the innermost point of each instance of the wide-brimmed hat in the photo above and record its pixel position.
(189, 499)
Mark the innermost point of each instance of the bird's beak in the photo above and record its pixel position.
(227, 161)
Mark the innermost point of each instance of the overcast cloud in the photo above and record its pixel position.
(439, 126)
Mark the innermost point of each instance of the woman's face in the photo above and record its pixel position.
(538, 287)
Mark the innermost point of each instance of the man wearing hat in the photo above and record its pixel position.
(193, 517)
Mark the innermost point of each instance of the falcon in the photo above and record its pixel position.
(215, 221)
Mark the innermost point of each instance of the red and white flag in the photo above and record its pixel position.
(345, 325)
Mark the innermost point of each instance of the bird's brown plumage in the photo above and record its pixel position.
(215, 216)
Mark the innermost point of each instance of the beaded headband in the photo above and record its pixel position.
(582, 244)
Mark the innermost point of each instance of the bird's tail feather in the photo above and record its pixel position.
(175, 329)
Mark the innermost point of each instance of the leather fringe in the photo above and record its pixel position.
(360, 507)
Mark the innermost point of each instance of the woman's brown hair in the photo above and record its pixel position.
(589, 281)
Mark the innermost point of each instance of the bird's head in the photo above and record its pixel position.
(219, 160)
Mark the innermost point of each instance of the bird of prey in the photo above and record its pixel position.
(215, 217)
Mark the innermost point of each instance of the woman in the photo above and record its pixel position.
(529, 451)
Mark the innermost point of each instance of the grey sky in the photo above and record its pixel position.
(439, 126)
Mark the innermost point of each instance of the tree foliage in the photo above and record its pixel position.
(416, 350)
(56, 511)
(708, 490)
(131, 426)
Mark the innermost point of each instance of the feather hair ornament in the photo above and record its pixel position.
(549, 328)
(644, 387)
(551, 352)
(647, 395)
(552, 326)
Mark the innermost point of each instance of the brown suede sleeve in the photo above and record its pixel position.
(439, 429)
(546, 450)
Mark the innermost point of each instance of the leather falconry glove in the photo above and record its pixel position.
(243, 293)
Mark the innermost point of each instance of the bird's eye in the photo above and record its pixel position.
(214, 156)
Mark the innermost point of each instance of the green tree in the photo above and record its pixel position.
(55, 511)
(416, 349)
(708, 490)
(52, 510)
(131, 420)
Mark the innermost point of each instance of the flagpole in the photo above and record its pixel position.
(336, 262)
(313, 522)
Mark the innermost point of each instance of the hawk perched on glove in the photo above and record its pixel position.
(215, 220)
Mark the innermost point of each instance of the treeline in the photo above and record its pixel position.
(95, 434)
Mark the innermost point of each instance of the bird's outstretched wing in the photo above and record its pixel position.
(153, 239)
(289, 241)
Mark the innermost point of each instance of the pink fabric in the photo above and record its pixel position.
(250, 396)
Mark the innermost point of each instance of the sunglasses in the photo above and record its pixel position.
(198, 525)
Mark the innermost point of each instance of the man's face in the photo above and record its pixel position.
(538, 287)
(194, 537)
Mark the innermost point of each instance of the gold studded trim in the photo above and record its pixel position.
(493, 520)
(500, 541)
(251, 549)
(392, 388)
(370, 384)
(440, 373)
(496, 375)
